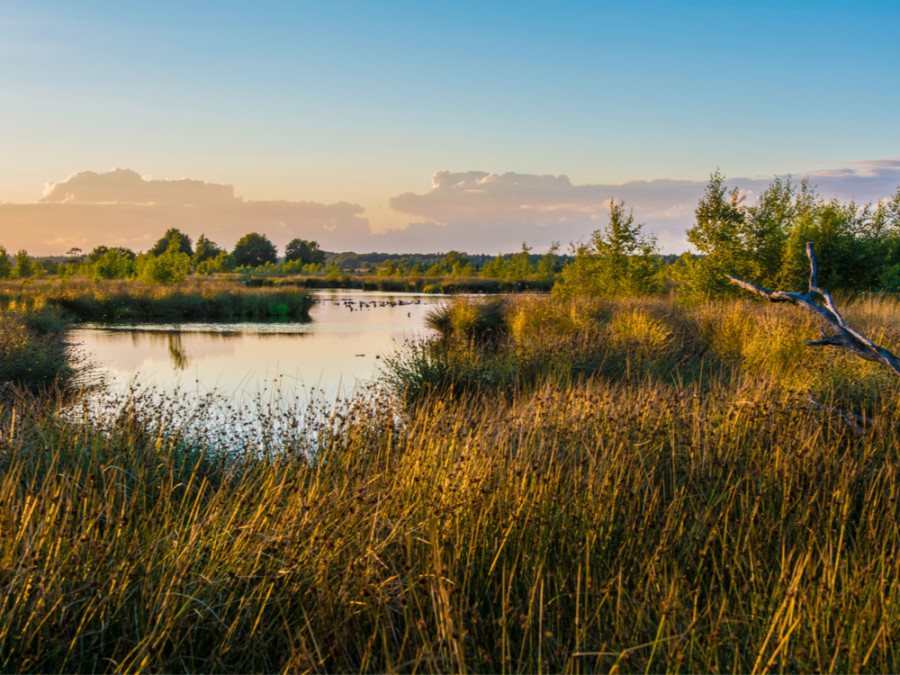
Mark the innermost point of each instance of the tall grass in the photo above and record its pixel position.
(519, 343)
(32, 347)
(195, 299)
(631, 520)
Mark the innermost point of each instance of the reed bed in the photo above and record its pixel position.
(630, 521)
(411, 284)
(32, 348)
(195, 299)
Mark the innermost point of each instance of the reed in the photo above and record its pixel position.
(630, 520)
(196, 299)
(32, 348)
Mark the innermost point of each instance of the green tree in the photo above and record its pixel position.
(223, 262)
(169, 268)
(5, 265)
(766, 231)
(162, 245)
(521, 267)
(253, 250)
(718, 236)
(620, 259)
(113, 264)
(24, 266)
(205, 250)
(548, 266)
(306, 252)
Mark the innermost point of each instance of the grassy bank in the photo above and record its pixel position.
(193, 300)
(512, 345)
(418, 284)
(32, 348)
(683, 510)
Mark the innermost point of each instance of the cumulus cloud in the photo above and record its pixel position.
(124, 186)
(499, 211)
(121, 208)
(474, 211)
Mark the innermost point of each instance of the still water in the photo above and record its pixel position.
(341, 349)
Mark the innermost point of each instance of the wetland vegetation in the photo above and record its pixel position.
(573, 485)
(628, 474)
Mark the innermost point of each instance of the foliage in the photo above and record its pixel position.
(198, 299)
(112, 264)
(717, 236)
(169, 267)
(253, 250)
(24, 266)
(304, 252)
(164, 243)
(5, 265)
(223, 262)
(205, 250)
(32, 347)
(620, 260)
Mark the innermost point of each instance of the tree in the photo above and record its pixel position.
(718, 237)
(253, 250)
(205, 250)
(170, 267)
(548, 266)
(619, 260)
(766, 230)
(161, 246)
(24, 266)
(99, 251)
(306, 252)
(114, 264)
(5, 265)
(223, 262)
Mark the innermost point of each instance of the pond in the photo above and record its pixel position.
(234, 366)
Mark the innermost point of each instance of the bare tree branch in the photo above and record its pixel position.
(842, 334)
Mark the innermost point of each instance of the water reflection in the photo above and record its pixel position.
(176, 351)
(341, 348)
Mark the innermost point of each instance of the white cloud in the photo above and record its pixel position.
(124, 186)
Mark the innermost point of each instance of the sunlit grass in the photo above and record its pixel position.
(631, 517)
(196, 299)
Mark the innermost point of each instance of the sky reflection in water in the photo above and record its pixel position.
(342, 347)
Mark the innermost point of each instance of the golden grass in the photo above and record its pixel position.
(630, 523)
(196, 299)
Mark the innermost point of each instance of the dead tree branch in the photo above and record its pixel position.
(841, 335)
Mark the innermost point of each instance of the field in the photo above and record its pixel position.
(567, 486)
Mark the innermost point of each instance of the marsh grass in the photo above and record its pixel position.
(410, 284)
(32, 348)
(519, 343)
(196, 299)
(631, 520)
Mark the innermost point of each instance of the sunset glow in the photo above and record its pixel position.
(405, 127)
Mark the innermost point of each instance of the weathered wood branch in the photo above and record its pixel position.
(842, 335)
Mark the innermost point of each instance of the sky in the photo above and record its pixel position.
(411, 126)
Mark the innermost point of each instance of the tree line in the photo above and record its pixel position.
(857, 245)
(763, 241)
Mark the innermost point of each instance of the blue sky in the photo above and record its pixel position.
(362, 102)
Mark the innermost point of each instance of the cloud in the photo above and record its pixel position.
(501, 210)
(124, 186)
(474, 211)
(121, 208)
